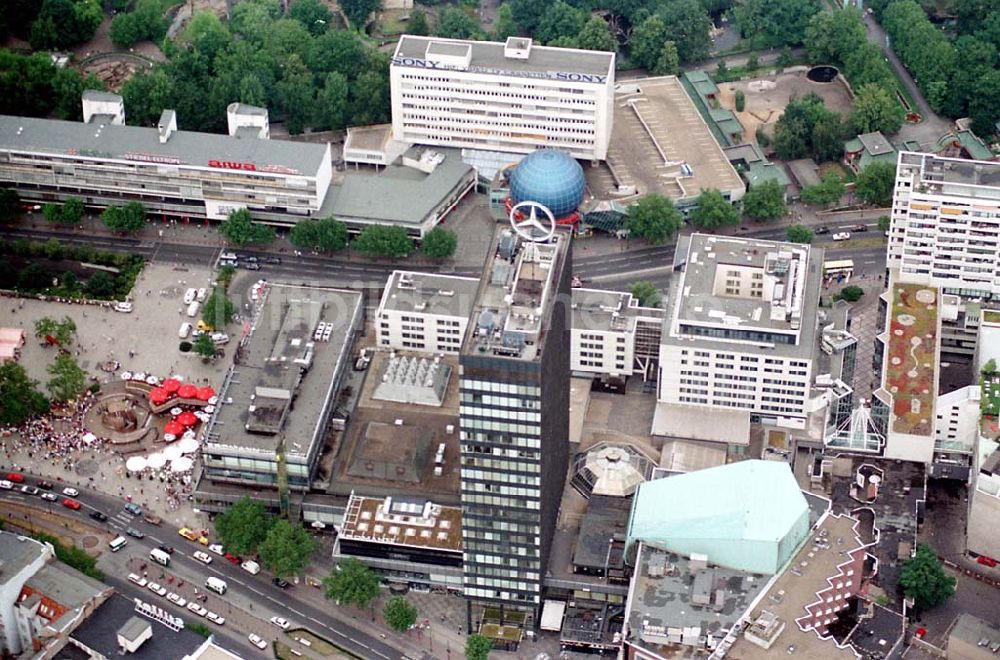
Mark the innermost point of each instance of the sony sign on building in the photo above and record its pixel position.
(510, 97)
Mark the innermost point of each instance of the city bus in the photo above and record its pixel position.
(841, 270)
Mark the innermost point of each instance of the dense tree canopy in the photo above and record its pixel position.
(477, 647)
(327, 235)
(218, 310)
(243, 526)
(286, 549)
(922, 47)
(768, 23)
(129, 217)
(875, 184)
(808, 128)
(352, 583)
(383, 241)
(358, 11)
(595, 35)
(765, 201)
(714, 211)
(454, 23)
(799, 234)
(653, 218)
(61, 24)
(67, 379)
(646, 293)
(19, 395)
(69, 212)
(828, 191)
(240, 229)
(146, 21)
(399, 614)
(560, 20)
(874, 109)
(439, 243)
(32, 86)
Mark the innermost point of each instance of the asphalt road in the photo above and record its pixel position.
(245, 590)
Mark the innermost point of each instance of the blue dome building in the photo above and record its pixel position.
(550, 177)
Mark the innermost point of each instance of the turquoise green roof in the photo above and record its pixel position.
(749, 515)
(725, 127)
(762, 171)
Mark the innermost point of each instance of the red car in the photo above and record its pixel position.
(986, 561)
(71, 504)
(16, 478)
(233, 559)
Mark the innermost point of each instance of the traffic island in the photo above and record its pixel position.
(317, 646)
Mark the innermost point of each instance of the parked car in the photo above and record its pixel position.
(124, 307)
(156, 589)
(134, 533)
(197, 609)
(201, 295)
(70, 492)
(217, 549)
(281, 623)
(6, 485)
(189, 295)
(190, 535)
(15, 477)
(233, 559)
(134, 509)
(177, 599)
(137, 579)
(202, 557)
(97, 515)
(215, 618)
(45, 485)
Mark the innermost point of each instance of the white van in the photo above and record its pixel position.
(184, 331)
(228, 256)
(216, 585)
(189, 296)
(193, 309)
(251, 567)
(159, 556)
(118, 543)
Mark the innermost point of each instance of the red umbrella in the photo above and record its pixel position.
(173, 427)
(205, 393)
(158, 395)
(171, 385)
(187, 418)
(187, 391)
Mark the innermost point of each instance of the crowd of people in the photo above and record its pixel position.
(58, 436)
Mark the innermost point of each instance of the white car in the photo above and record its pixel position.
(257, 641)
(70, 492)
(215, 618)
(202, 557)
(842, 236)
(156, 589)
(201, 295)
(176, 599)
(137, 579)
(50, 497)
(217, 549)
(125, 307)
(6, 485)
(189, 296)
(281, 623)
(197, 609)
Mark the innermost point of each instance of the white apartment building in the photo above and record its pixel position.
(511, 97)
(740, 334)
(984, 504)
(946, 232)
(611, 333)
(177, 173)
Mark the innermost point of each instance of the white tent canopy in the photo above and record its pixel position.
(135, 464)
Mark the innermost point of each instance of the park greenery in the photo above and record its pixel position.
(63, 331)
(23, 271)
(32, 86)
(799, 234)
(243, 526)
(851, 293)
(807, 128)
(714, 211)
(765, 201)
(129, 217)
(69, 212)
(72, 556)
(20, 398)
(55, 24)
(773, 23)
(646, 293)
(383, 241)
(326, 235)
(874, 109)
(478, 647)
(923, 579)
(439, 243)
(218, 310)
(67, 379)
(351, 582)
(204, 346)
(399, 614)
(145, 21)
(240, 229)
(828, 191)
(875, 184)
(654, 218)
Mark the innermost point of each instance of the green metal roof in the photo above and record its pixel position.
(761, 172)
(749, 515)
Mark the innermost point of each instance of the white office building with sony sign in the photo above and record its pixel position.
(512, 97)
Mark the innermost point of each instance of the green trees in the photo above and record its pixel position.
(923, 579)
(10, 205)
(243, 526)
(358, 11)
(145, 22)
(769, 23)
(61, 24)
(327, 235)
(32, 86)
(974, 60)
(713, 211)
(560, 20)
(923, 48)
(874, 109)
(646, 293)
(875, 184)
(19, 395)
(688, 26)
(478, 647)
(669, 62)
(204, 346)
(799, 234)
(884, 223)
(383, 241)
(765, 201)
(69, 212)
(654, 218)
(352, 583)
(218, 310)
(331, 103)
(456, 24)
(100, 285)
(831, 36)
(828, 191)
(68, 379)
(418, 23)
(62, 331)
(850, 293)
(595, 35)
(314, 15)
(505, 24)
(646, 42)
(808, 128)
(439, 243)
(239, 229)
(399, 614)
(130, 217)
(287, 548)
